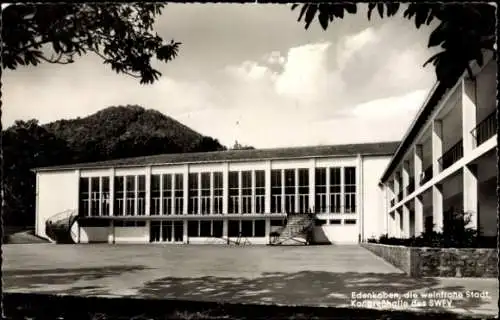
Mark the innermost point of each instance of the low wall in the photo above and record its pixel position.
(398, 256)
(439, 262)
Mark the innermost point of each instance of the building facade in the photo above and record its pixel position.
(447, 161)
(216, 197)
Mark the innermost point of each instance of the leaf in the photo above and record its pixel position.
(371, 6)
(323, 19)
(380, 9)
(433, 58)
(303, 11)
(438, 35)
(311, 12)
(294, 6)
(351, 8)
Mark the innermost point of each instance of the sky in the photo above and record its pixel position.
(252, 73)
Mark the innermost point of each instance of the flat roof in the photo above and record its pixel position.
(366, 149)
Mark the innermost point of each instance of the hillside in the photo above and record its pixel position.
(126, 131)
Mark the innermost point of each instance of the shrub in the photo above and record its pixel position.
(455, 234)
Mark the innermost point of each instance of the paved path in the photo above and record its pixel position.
(300, 275)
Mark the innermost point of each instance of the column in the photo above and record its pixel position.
(185, 193)
(185, 238)
(406, 222)
(253, 192)
(267, 202)
(468, 115)
(397, 187)
(268, 230)
(342, 188)
(397, 223)
(470, 194)
(437, 146)
(172, 195)
(224, 229)
(147, 201)
(359, 195)
(112, 192)
(419, 215)
(296, 202)
(327, 202)
(162, 210)
(211, 193)
(437, 207)
(136, 195)
(417, 164)
(199, 192)
(225, 188)
(406, 177)
(100, 196)
(240, 183)
(312, 184)
(282, 190)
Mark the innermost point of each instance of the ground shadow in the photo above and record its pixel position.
(311, 288)
(33, 279)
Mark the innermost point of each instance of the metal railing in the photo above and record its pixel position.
(452, 155)
(485, 129)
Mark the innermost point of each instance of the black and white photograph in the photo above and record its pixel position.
(167, 160)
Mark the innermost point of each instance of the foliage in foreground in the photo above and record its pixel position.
(121, 35)
(455, 234)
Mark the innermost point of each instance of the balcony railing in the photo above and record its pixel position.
(485, 129)
(426, 175)
(455, 153)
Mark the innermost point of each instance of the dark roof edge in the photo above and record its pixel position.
(97, 165)
(413, 130)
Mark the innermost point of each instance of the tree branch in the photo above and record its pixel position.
(122, 71)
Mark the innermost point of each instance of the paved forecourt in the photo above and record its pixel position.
(289, 275)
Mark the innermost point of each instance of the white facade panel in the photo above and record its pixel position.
(373, 200)
(57, 192)
(336, 234)
(94, 234)
(131, 234)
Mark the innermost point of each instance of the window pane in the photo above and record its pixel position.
(260, 228)
(217, 226)
(247, 228)
(119, 196)
(84, 197)
(233, 229)
(193, 228)
(205, 228)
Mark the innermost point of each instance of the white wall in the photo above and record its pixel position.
(94, 234)
(373, 200)
(57, 192)
(486, 90)
(132, 234)
(336, 234)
